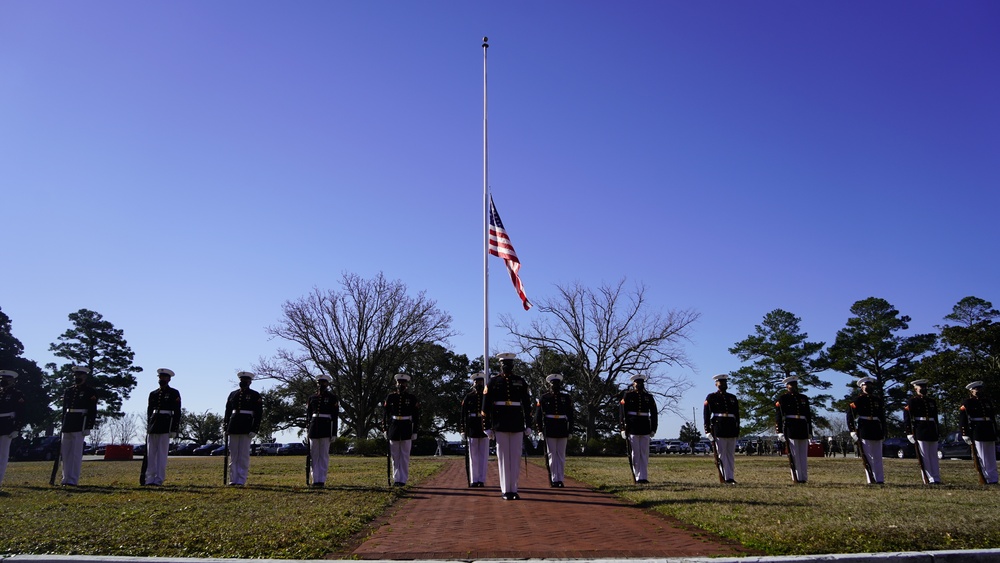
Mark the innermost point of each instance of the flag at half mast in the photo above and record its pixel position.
(501, 246)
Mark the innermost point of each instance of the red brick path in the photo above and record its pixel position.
(443, 519)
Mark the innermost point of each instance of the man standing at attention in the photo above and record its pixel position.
(163, 419)
(478, 443)
(11, 415)
(920, 419)
(866, 421)
(400, 416)
(554, 419)
(722, 425)
(977, 420)
(322, 412)
(507, 419)
(793, 422)
(244, 411)
(637, 416)
(79, 416)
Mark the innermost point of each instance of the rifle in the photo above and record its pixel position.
(468, 460)
(524, 452)
(388, 460)
(225, 459)
(788, 444)
(55, 464)
(978, 463)
(145, 463)
(920, 460)
(628, 454)
(545, 452)
(718, 460)
(309, 462)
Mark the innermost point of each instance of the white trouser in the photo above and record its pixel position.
(508, 458)
(727, 455)
(319, 449)
(4, 454)
(929, 454)
(640, 455)
(72, 456)
(872, 450)
(987, 452)
(157, 448)
(479, 456)
(239, 458)
(557, 457)
(400, 451)
(800, 454)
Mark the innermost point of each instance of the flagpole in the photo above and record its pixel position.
(486, 231)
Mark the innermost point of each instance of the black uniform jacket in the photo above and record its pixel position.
(722, 415)
(920, 418)
(400, 415)
(163, 411)
(507, 406)
(977, 419)
(11, 410)
(79, 408)
(554, 414)
(322, 413)
(472, 416)
(637, 412)
(792, 417)
(866, 416)
(244, 411)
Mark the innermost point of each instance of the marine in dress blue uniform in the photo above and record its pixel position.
(722, 425)
(920, 420)
(507, 419)
(978, 422)
(472, 430)
(793, 422)
(78, 418)
(163, 420)
(866, 422)
(554, 418)
(11, 415)
(244, 412)
(322, 415)
(400, 416)
(637, 417)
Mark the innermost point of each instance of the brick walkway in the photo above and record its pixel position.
(444, 519)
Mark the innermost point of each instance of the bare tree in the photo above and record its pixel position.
(123, 429)
(609, 334)
(99, 433)
(360, 336)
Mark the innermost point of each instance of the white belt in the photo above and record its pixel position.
(6, 414)
(163, 412)
(725, 414)
(555, 416)
(77, 411)
(867, 418)
(921, 418)
(473, 415)
(633, 413)
(795, 416)
(983, 419)
(402, 418)
(508, 403)
(245, 412)
(322, 416)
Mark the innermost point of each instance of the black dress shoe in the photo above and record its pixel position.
(515, 496)
(553, 484)
(399, 484)
(505, 496)
(730, 481)
(642, 482)
(318, 485)
(560, 484)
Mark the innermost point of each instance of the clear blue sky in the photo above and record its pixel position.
(184, 168)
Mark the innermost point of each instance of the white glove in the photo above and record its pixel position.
(911, 438)
(86, 432)
(854, 436)
(173, 435)
(967, 440)
(709, 436)
(463, 435)
(527, 432)
(624, 435)
(385, 435)
(491, 435)
(414, 436)
(781, 437)
(253, 435)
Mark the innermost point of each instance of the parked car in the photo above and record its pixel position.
(658, 446)
(205, 449)
(39, 449)
(453, 448)
(139, 449)
(678, 447)
(221, 450)
(295, 448)
(703, 447)
(268, 449)
(184, 449)
(898, 447)
(953, 446)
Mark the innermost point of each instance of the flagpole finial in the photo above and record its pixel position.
(485, 44)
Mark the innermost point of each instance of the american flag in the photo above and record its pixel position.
(501, 246)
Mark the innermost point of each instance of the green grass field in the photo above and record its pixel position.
(275, 516)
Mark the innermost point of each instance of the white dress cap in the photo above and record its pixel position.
(324, 377)
(81, 369)
(864, 380)
(916, 382)
(402, 377)
(243, 374)
(721, 377)
(638, 377)
(973, 385)
(478, 375)
(8, 373)
(554, 377)
(165, 371)
(789, 379)
(506, 356)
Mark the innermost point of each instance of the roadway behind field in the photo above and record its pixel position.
(444, 519)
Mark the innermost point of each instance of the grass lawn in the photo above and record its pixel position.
(835, 512)
(193, 515)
